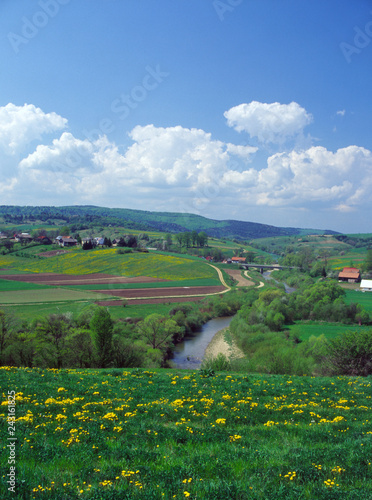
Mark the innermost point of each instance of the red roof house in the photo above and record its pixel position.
(349, 274)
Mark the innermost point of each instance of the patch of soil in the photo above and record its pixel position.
(163, 292)
(236, 275)
(149, 301)
(52, 253)
(55, 279)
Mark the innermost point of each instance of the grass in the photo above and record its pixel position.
(134, 434)
(11, 286)
(30, 311)
(364, 299)
(49, 295)
(108, 261)
(161, 284)
(306, 329)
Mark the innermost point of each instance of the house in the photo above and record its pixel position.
(23, 237)
(238, 260)
(99, 240)
(349, 274)
(44, 240)
(366, 286)
(66, 241)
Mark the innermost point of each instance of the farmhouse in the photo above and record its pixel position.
(44, 240)
(23, 237)
(66, 241)
(238, 260)
(366, 285)
(349, 274)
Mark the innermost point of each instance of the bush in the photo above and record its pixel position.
(351, 353)
(219, 363)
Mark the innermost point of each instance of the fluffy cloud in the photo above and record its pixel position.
(176, 158)
(20, 125)
(181, 169)
(273, 122)
(317, 175)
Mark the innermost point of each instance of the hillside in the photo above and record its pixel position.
(144, 220)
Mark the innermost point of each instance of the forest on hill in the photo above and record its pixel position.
(82, 217)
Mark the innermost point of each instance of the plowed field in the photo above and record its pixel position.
(55, 279)
(161, 292)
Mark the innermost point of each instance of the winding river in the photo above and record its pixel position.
(190, 352)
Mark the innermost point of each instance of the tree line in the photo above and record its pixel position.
(93, 339)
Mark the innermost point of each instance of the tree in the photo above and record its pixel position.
(194, 238)
(351, 353)
(81, 348)
(168, 239)
(368, 261)
(51, 334)
(179, 238)
(102, 325)
(8, 327)
(187, 239)
(202, 239)
(158, 330)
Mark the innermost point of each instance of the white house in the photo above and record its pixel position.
(366, 285)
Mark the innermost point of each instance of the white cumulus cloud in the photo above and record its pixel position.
(20, 125)
(269, 122)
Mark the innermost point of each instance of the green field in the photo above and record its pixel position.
(156, 265)
(49, 295)
(306, 329)
(362, 298)
(165, 434)
(160, 284)
(11, 286)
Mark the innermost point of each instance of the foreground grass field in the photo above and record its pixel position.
(180, 434)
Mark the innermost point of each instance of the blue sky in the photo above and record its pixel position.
(254, 110)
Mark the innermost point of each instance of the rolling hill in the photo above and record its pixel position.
(144, 220)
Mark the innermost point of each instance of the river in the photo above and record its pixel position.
(267, 276)
(190, 352)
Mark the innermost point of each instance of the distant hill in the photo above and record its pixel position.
(144, 220)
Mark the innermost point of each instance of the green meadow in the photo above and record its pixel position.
(167, 434)
(306, 329)
(157, 265)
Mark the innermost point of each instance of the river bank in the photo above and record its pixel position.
(219, 345)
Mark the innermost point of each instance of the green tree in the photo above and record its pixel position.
(202, 239)
(168, 239)
(8, 328)
(51, 334)
(351, 353)
(368, 261)
(101, 325)
(194, 238)
(158, 330)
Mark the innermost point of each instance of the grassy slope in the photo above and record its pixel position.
(305, 330)
(81, 262)
(175, 434)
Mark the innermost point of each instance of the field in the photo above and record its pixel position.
(306, 329)
(101, 276)
(85, 434)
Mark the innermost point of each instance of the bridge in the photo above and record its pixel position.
(261, 267)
